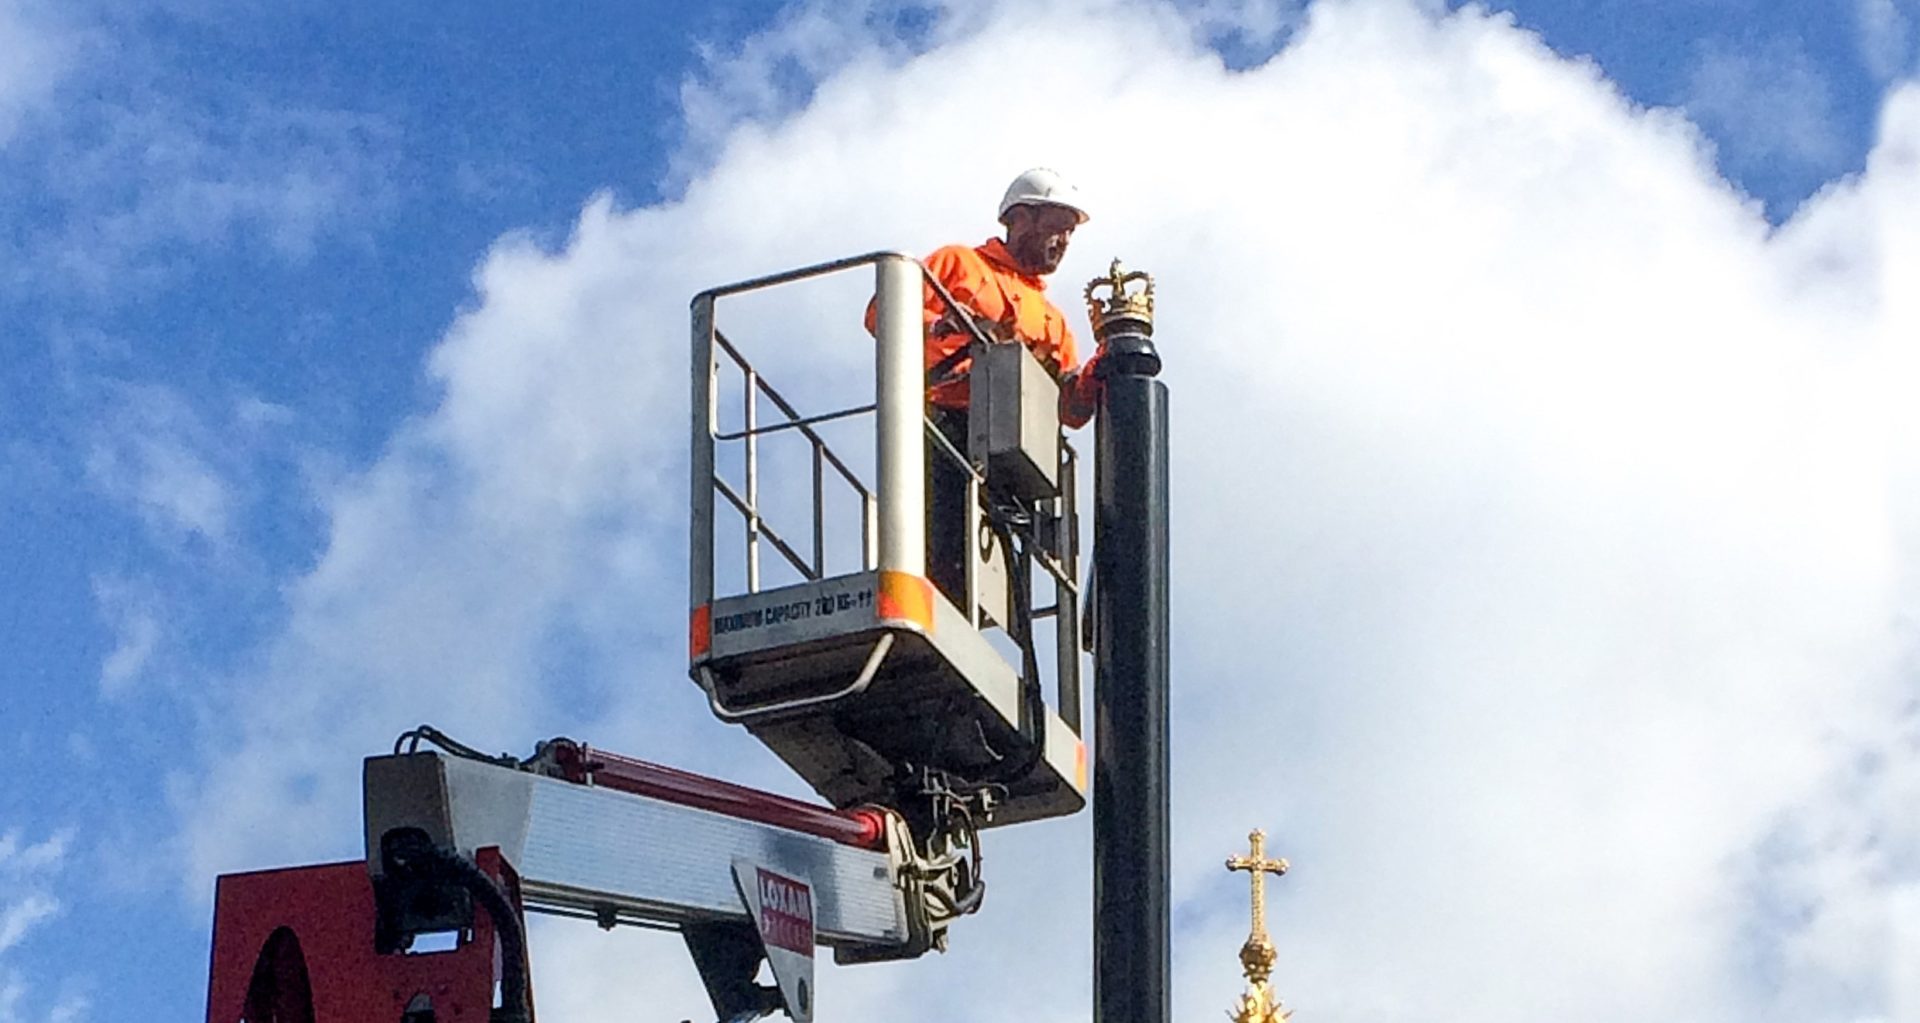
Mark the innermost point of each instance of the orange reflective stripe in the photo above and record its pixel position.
(906, 597)
(700, 632)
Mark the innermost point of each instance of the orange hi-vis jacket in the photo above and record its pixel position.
(986, 280)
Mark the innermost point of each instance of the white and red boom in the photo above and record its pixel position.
(460, 845)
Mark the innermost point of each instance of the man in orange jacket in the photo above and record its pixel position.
(1002, 287)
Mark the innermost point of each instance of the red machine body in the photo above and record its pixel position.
(297, 946)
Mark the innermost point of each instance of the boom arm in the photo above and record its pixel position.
(462, 844)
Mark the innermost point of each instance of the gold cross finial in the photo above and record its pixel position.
(1256, 957)
(1257, 954)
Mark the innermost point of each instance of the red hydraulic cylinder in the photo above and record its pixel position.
(578, 762)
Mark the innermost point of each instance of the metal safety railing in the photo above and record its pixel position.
(892, 510)
(748, 504)
(890, 538)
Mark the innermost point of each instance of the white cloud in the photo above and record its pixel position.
(44, 857)
(153, 451)
(134, 165)
(1836, 885)
(1885, 37)
(1546, 523)
(22, 915)
(133, 614)
(153, 178)
(765, 76)
(189, 468)
(39, 55)
(1773, 106)
(71, 1008)
(27, 904)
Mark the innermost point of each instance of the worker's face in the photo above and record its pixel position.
(1037, 236)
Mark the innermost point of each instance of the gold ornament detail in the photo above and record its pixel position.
(1119, 303)
(1258, 1004)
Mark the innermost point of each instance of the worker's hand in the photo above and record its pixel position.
(1080, 393)
(946, 326)
(993, 330)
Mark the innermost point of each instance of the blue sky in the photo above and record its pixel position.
(295, 299)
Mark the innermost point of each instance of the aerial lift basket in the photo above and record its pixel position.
(868, 680)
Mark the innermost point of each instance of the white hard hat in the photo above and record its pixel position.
(1042, 185)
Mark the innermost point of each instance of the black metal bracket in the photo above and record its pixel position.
(727, 953)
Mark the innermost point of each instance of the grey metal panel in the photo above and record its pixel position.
(409, 791)
(1067, 755)
(644, 853)
(581, 847)
(976, 665)
(489, 805)
(459, 803)
(1013, 421)
(998, 683)
(1066, 544)
(794, 614)
(992, 577)
(968, 650)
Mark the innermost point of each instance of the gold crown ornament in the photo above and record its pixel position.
(1120, 304)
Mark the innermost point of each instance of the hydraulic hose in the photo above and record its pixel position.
(408, 852)
(1035, 730)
